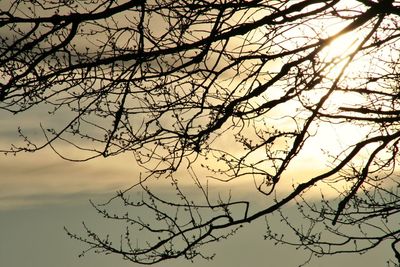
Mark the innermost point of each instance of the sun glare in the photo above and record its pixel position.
(341, 47)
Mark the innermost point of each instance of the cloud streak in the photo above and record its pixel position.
(30, 178)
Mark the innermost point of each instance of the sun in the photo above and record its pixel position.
(343, 54)
(346, 65)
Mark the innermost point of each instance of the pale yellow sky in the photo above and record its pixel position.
(40, 193)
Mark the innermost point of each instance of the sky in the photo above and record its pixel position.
(33, 236)
(40, 194)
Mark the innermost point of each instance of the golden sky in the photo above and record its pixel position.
(40, 193)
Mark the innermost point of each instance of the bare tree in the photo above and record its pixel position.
(221, 92)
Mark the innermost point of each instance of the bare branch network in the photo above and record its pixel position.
(296, 100)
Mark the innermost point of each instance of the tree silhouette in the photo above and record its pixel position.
(220, 92)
